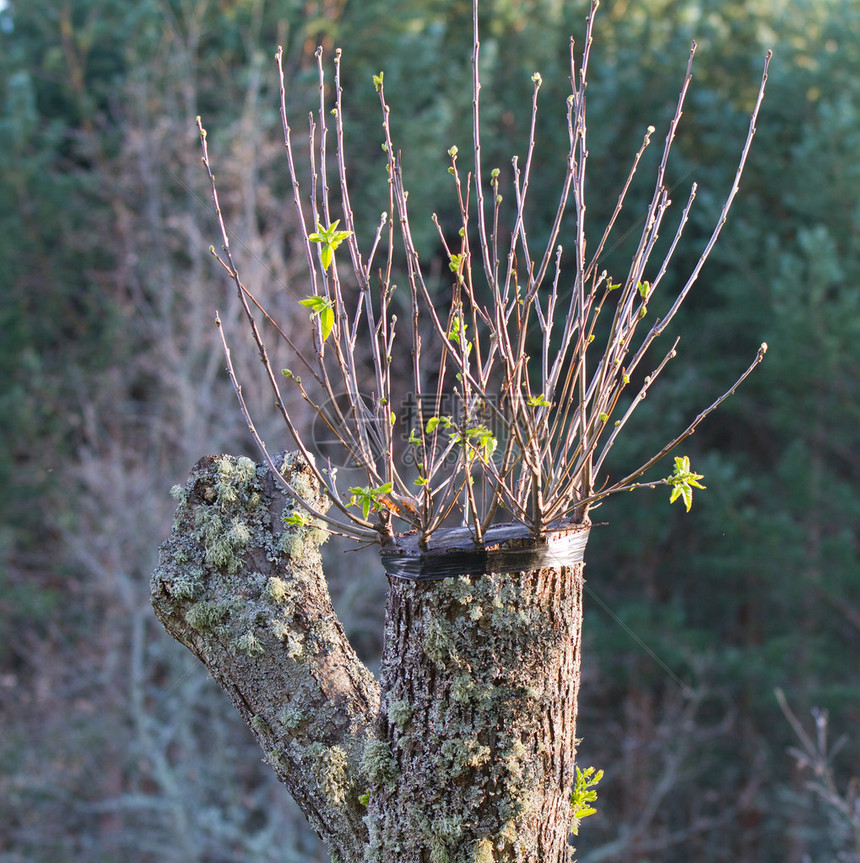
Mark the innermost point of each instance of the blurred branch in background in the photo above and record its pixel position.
(815, 759)
(108, 274)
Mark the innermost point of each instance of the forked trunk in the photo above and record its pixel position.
(470, 757)
(480, 677)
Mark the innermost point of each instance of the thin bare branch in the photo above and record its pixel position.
(556, 412)
(624, 484)
(357, 527)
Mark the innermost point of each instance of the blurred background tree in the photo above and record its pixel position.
(115, 746)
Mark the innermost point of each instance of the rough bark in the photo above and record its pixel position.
(469, 759)
(245, 592)
(480, 678)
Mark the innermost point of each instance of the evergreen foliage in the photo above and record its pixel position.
(692, 619)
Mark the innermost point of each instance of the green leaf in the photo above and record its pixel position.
(687, 495)
(297, 519)
(488, 445)
(683, 481)
(367, 497)
(480, 440)
(458, 333)
(583, 793)
(315, 304)
(330, 238)
(326, 321)
(431, 425)
(537, 401)
(323, 309)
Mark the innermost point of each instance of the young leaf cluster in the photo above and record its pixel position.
(683, 481)
(583, 795)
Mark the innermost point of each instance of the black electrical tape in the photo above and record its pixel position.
(506, 548)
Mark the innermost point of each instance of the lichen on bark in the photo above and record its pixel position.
(243, 589)
(468, 754)
(480, 678)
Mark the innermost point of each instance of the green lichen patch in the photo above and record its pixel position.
(231, 512)
(508, 835)
(447, 827)
(278, 589)
(460, 589)
(439, 643)
(330, 768)
(483, 852)
(223, 538)
(301, 479)
(295, 646)
(439, 850)
(184, 581)
(292, 542)
(457, 756)
(378, 764)
(280, 628)
(400, 713)
(259, 724)
(249, 645)
(292, 718)
(233, 478)
(206, 614)
(277, 758)
(462, 688)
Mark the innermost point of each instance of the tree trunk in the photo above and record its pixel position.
(244, 590)
(480, 677)
(470, 758)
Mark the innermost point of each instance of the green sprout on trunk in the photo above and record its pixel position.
(583, 795)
